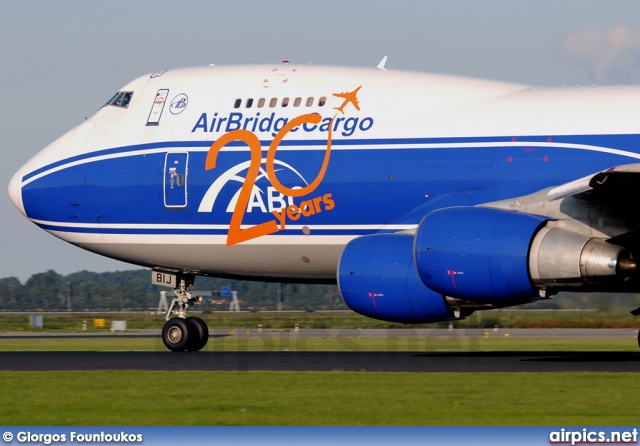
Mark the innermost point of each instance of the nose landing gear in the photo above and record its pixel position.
(182, 333)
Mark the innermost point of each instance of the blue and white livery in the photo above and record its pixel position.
(425, 197)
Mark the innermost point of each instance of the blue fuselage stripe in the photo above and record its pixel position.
(612, 141)
(368, 186)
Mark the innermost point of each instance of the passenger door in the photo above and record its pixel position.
(175, 180)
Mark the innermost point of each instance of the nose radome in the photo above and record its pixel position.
(15, 191)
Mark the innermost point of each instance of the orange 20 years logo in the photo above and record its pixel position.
(236, 234)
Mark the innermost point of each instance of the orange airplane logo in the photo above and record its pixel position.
(349, 98)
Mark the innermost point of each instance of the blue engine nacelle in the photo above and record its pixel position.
(477, 254)
(377, 278)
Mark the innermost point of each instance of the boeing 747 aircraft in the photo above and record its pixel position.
(424, 197)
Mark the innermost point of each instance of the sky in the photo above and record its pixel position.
(60, 61)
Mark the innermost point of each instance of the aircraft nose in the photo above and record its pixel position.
(15, 191)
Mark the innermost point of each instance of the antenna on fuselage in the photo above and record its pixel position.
(382, 63)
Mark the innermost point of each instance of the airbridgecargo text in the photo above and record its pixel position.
(272, 124)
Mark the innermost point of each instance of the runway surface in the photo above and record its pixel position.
(326, 361)
(383, 361)
(355, 333)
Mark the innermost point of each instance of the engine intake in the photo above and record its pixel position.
(377, 278)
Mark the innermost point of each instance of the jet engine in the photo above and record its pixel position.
(468, 258)
(483, 255)
(377, 278)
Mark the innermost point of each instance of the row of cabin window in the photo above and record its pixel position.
(285, 102)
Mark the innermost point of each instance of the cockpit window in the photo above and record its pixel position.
(112, 99)
(120, 99)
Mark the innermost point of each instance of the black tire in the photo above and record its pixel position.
(176, 334)
(199, 334)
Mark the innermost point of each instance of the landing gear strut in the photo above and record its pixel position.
(183, 333)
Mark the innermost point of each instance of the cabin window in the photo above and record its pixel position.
(309, 102)
(322, 101)
(120, 99)
(285, 102)
(261, 102)
(296, 102)
(249, 103)
(273, 102)
(238, 103)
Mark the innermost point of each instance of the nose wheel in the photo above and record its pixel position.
(175, 334)
(182, 333)
(179, 334)
(199, 334)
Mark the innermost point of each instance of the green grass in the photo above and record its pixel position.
(290, 342)
(63, 322)
(317, 398)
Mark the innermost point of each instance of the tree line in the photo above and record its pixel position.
(133, 291)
